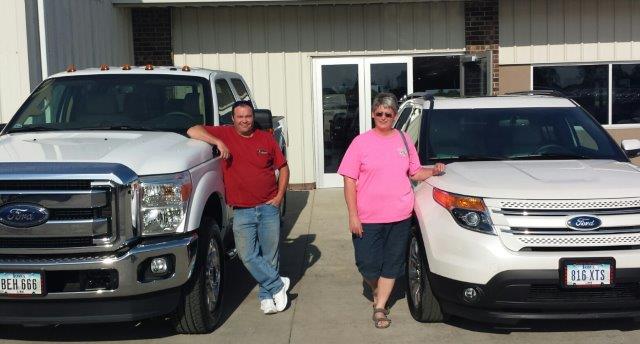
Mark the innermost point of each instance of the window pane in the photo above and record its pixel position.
(225, 101)
(241, 90)
(587, 85)
(437, 75)
(626, 93)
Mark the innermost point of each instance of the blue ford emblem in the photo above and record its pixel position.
(23, 215)
(584, 223)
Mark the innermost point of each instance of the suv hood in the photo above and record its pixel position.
(143, 152)
(549, 179)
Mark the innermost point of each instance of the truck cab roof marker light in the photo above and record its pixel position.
(71, 68)
(126, 67)
(186, 68)
(104, 67)
(148, 67)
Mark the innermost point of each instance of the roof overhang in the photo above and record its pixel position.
(182, 3)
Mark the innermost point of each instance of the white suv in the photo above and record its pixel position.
(536, 217)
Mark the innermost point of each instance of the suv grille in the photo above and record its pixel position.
(620, 292)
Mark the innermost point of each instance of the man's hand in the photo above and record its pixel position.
(224, 151)
(355, 226)
(275, 201)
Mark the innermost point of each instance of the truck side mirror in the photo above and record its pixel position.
(631, 147)
(263, 119)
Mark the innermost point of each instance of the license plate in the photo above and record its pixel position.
(588, 274)
(20, 283)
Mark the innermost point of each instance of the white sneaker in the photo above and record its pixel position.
(280, 298)
(268, 307)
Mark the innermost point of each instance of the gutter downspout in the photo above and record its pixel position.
(42, 33)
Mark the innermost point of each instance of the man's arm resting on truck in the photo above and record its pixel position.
(198, 132)
(283, 182)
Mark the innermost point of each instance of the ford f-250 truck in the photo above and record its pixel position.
(536, 217)
(108, 212)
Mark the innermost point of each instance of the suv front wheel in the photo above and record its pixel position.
(423, 304)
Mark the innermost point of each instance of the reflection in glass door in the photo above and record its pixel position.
(387, 74)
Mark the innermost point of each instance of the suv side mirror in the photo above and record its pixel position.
(631, 147)
(263, 119)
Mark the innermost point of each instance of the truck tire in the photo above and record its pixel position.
(200, 309)
(423, 305)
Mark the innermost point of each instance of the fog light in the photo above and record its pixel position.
(470, 295)
(159, 266)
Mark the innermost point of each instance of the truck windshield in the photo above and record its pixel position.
(515, 134)
(116, 102)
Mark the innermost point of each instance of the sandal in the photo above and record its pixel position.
(383, 321)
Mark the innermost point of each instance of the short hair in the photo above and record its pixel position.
(387, 100)
(241, 103)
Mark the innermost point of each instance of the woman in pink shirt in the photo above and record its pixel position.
(376, 170)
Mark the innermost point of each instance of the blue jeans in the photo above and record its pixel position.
(257, 235)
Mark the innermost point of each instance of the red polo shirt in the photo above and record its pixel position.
(249, 174)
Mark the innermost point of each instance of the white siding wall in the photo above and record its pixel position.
(557, 31)
(87, 33)
(14, 60)
(272, 47)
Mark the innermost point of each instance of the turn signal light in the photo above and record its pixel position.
(71, 68)
(451, 201)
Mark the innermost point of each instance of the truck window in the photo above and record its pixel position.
(225, 101)
(241, 89)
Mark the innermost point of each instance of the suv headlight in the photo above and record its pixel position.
(468, 212)
(162, 202)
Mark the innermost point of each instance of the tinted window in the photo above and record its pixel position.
(587, 85)
(517, 133)
(155, 102)
(225, 101)
(241, 89)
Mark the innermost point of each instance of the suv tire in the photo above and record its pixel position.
(423, 305)
(200, 309)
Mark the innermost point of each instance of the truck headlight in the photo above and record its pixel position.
(163, 203)
(468, 212)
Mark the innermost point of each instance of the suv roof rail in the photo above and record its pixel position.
(553, 93)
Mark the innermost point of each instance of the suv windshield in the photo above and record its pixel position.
(515, 134)
(115, 102)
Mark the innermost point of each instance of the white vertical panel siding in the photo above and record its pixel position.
(557, 31)
(14, 58)
(272, 47)
(87, 33)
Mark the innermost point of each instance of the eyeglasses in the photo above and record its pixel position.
(385, 114)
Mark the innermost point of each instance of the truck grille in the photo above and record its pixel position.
(82, 214)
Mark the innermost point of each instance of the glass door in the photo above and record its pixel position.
(343, 90)
(339, 116)
(475, 75)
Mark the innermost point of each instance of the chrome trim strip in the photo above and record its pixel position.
(67, 170)
(524, 212)
(567, 231)
(57, 199)
(59, 229)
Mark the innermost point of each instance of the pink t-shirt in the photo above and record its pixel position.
(379, 164)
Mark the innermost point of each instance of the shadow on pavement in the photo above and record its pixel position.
(296, 255)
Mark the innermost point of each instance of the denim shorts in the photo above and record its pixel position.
(381, 250)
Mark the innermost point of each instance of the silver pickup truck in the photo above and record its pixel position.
(108, 212)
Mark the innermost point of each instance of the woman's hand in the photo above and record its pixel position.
(438, 169)
(355, 226)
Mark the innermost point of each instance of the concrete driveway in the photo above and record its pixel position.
(328, 305)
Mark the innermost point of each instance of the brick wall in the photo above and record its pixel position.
(481, 32)
(152, 36)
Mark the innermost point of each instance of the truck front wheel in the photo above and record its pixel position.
(201, 306)
(423, 305)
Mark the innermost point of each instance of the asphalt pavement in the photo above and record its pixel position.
(328, 302)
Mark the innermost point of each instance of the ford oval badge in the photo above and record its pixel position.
(23, 215)
(584, 223)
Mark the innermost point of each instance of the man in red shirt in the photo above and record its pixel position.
(251, 158)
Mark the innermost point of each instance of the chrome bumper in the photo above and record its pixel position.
(126, 264)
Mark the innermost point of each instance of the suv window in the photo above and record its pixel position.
(403, 117)
(148, 102)
(413, 125)
(225, 101)
(241, 89)
(514, 133)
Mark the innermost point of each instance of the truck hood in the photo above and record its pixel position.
(549, 179)
(143, 152)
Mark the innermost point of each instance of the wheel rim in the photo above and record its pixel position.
(414, 273)
(212, 275)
